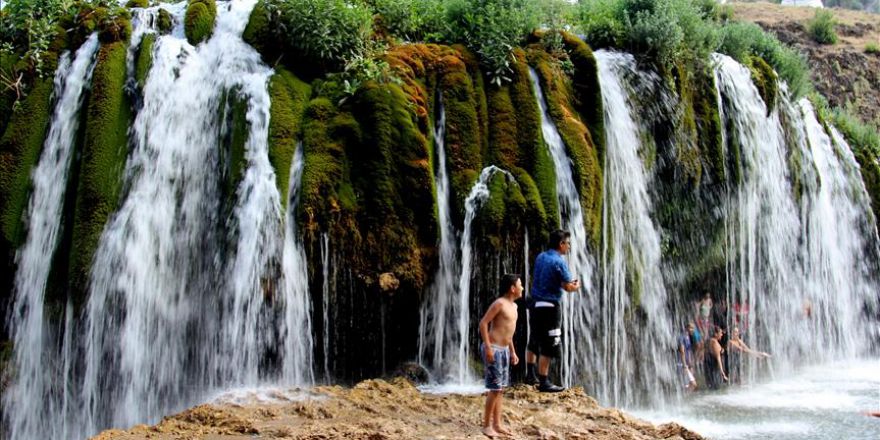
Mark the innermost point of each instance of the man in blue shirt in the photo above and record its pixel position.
(551, 278)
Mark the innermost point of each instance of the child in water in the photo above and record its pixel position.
(496, 331)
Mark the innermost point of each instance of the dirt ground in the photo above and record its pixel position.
(378, 410)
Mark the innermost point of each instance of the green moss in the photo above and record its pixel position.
(144, 60)
(503, 136)
(586, 93)
(325, 169)
(258, 32)
(20, 149)
(165, 22)
(199, 20)
(137, 4)
(534, 214)
(105, 142)
(289, 99)
(234, 111)
(391, 172)
(709, 128)
(765, 80)
(8, 97)
(586, 169)
(493, 212)
(534, 156)
(870, 168)
(700, 146)
(112, 25)
(116, 29)
(463, 138)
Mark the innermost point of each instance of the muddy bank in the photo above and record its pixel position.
(376, 409)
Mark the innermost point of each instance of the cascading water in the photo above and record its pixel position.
(765, 229)
(178, 307)
(454, 347)
(802, 261)
(325, 302)
(298, 357)
(631, 254)
(438, 315)
(478, 195)
(838, 246)
(25, 401)
(577, 308)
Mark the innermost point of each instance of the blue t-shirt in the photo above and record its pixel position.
(550, 272)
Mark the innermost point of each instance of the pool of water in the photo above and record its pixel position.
(822, 402)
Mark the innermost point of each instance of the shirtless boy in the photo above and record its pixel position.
(496, 331)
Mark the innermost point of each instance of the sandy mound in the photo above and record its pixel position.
(376, 410)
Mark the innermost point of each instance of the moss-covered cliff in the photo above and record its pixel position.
(104, 149)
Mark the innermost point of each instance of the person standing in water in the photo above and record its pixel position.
(735, 349)
(496, 331)
(714, 367)
(686, 358)
(551, 279)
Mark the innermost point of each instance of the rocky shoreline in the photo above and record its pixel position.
(379, 409)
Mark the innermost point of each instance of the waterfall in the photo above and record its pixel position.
(325, 302)
(799, 259)
(298, 357)
(25, 402)
(178, 306)
(839, 243)
(631, 254)
(440, 312)
(577, 307)
(445, 317)
(478, 195)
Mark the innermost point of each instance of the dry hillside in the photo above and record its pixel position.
(844, 72)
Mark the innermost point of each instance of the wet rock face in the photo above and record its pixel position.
(378, 409)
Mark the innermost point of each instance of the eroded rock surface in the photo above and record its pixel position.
(377, 409)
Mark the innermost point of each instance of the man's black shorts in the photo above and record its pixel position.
(545, 331)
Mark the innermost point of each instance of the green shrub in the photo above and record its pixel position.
(741, 40)
(30, 26)
(492, 29)
(663, 31)
(412, 20)
(821, 27)
(326, 32)
(872, 48)
(859, 135)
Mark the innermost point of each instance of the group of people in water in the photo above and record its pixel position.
(708, 348)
